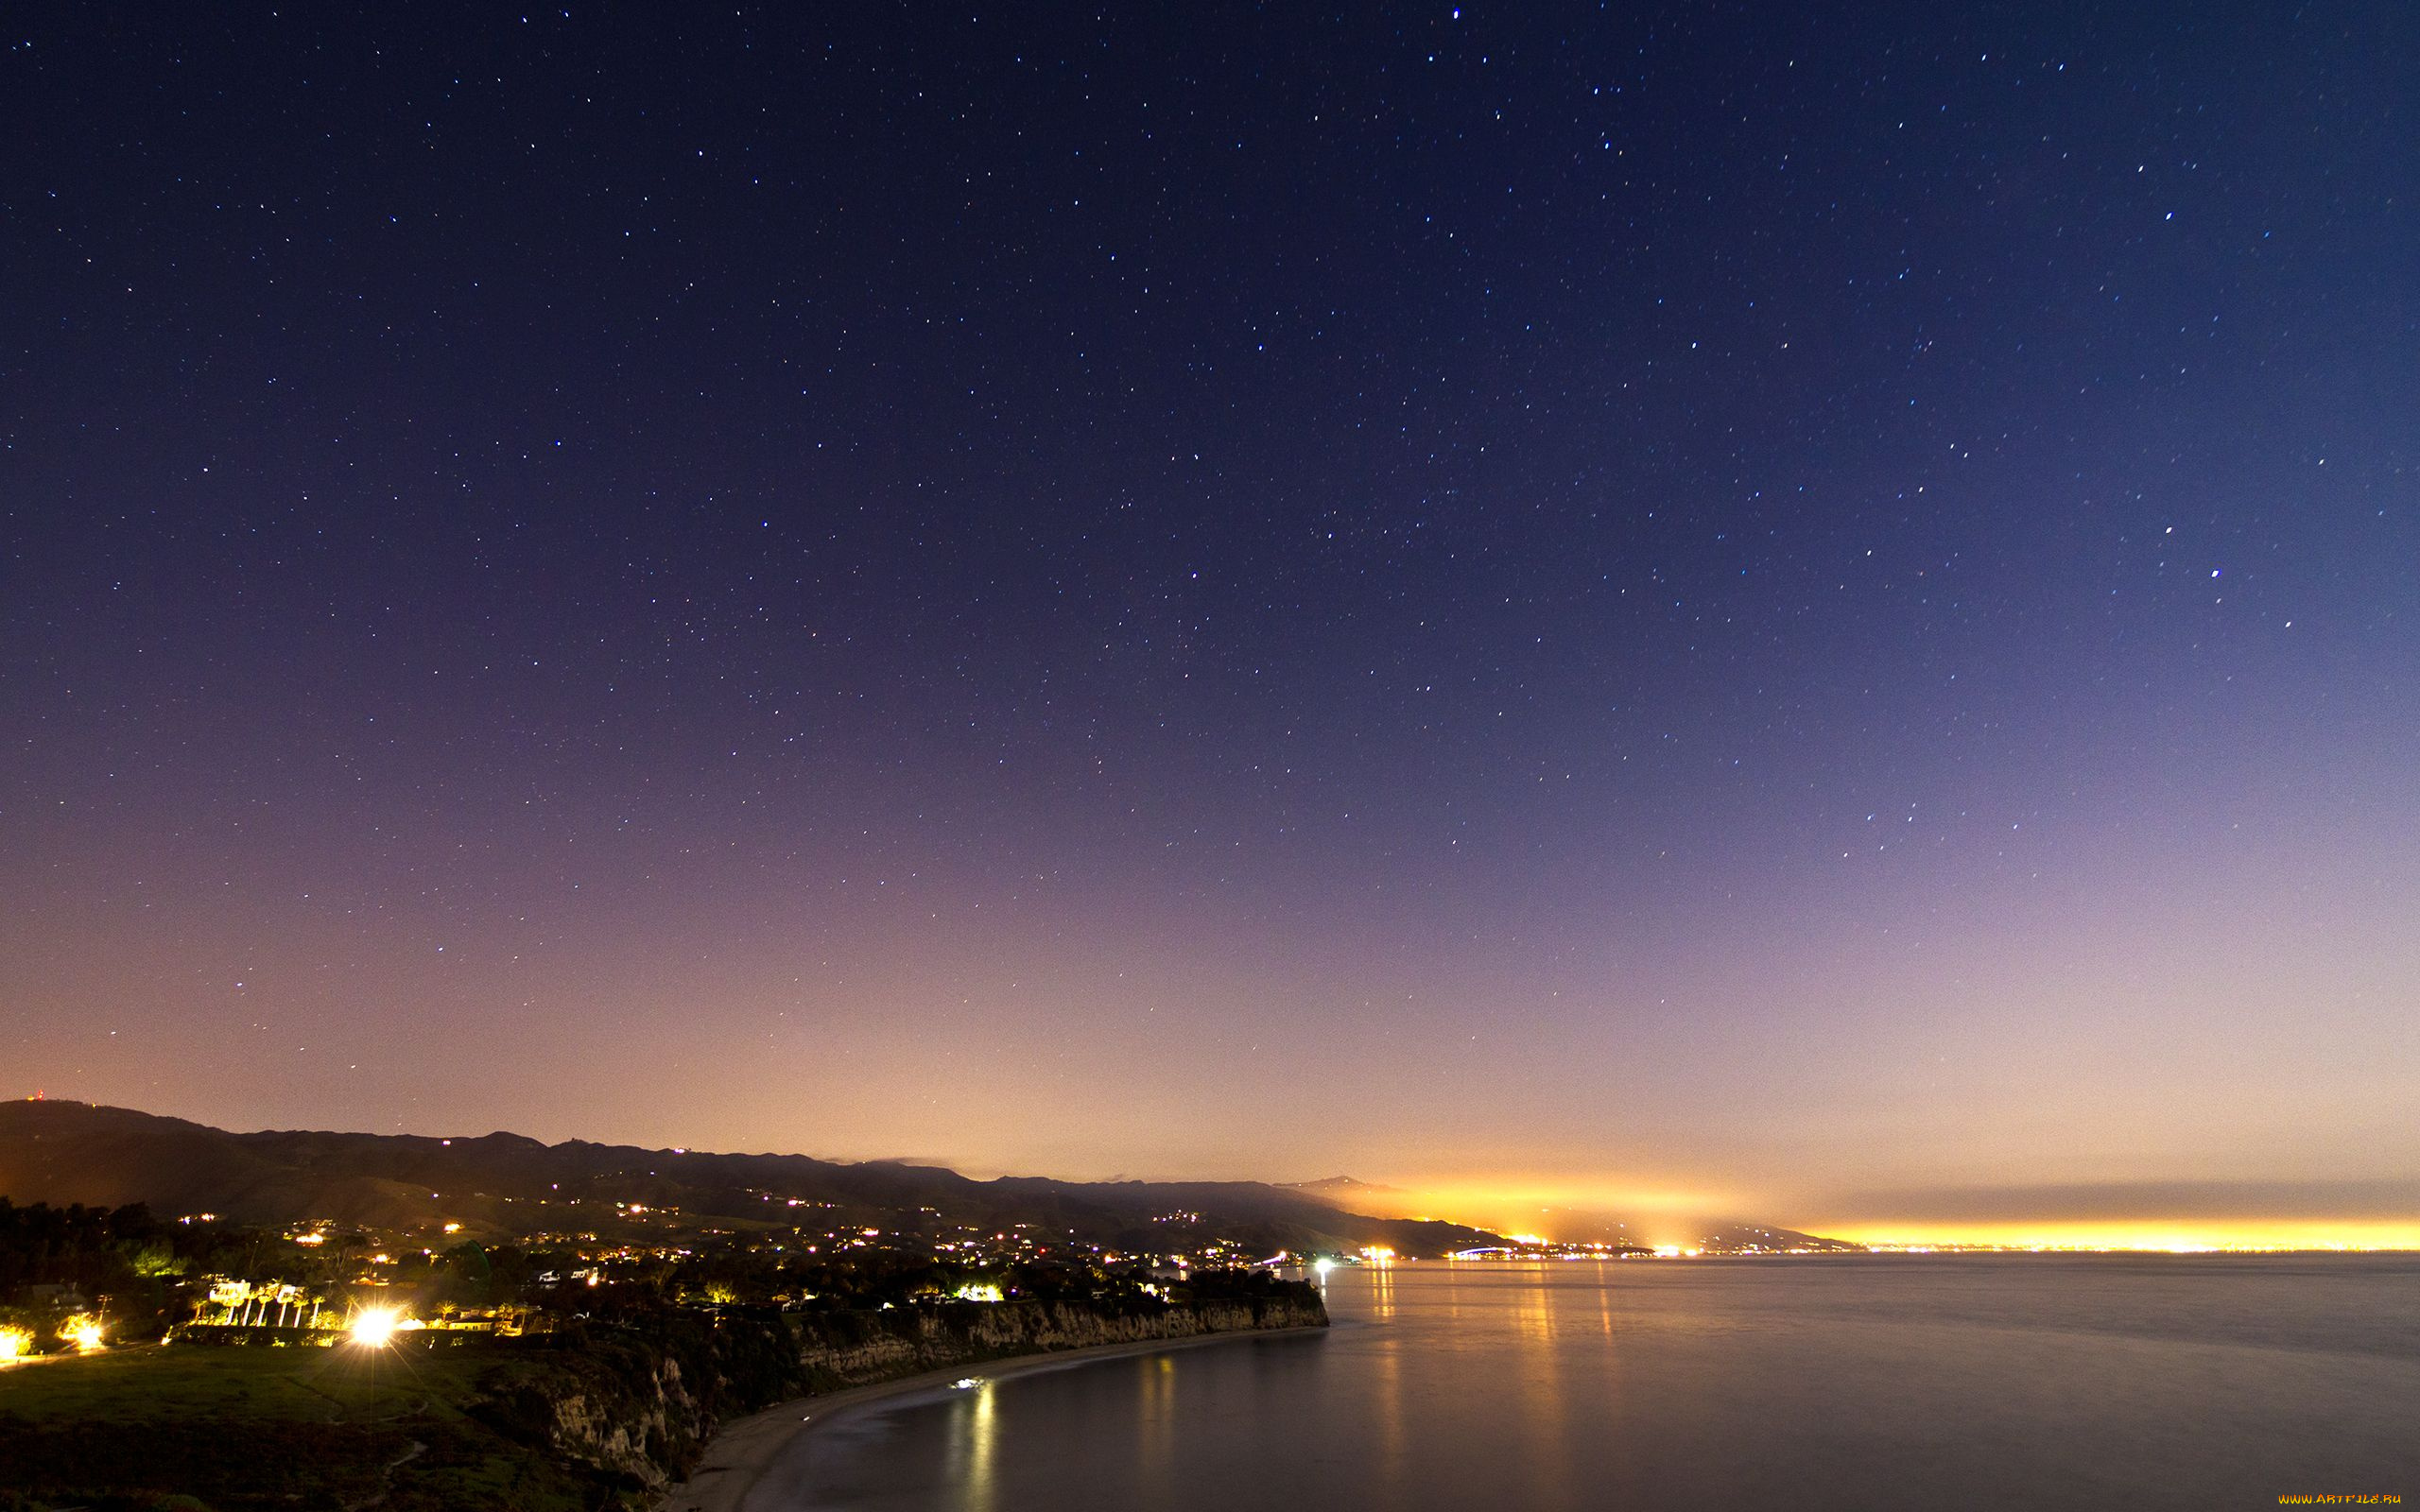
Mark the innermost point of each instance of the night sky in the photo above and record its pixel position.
(1813, 613)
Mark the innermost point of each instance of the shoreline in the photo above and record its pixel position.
(744, 1449)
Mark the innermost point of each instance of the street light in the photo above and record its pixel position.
(376, 1325)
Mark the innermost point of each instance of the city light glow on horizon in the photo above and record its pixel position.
(1534, 1212)
(2150, 1234)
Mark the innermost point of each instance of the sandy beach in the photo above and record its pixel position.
(746, 1447)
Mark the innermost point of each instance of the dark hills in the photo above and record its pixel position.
(504, 1185)
(1346, 1191)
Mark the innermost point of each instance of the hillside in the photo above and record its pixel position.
(503, 1184)
(1351, 1192)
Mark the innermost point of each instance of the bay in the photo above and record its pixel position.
(1881, 1382)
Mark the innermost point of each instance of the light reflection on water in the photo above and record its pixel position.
(1969, 1381)
(1157, 1427)
(982, 1433)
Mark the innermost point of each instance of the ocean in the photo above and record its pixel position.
(1882, 1382)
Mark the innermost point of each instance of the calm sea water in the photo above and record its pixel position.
(1875, 1383)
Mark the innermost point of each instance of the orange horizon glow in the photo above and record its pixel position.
(1559, 1212)
(1554, 1210)
(2151, 1233)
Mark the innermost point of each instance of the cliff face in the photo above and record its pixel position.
(643, 1436)
(640, 1408)
(855, 1349)
(638, 1404)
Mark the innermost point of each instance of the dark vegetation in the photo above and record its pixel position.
(218, 1430)
(123, 1259)
(595, 1311)
(652, 1347)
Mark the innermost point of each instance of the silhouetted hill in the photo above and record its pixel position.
(1350, 1193)
(1743, 1236)
(494, 1184)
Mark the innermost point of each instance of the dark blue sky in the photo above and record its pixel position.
(1821, 602)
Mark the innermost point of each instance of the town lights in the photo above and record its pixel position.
(376, 1325)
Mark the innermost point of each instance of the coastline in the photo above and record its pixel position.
(742, 1450)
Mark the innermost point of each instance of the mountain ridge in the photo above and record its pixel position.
(62, 1152)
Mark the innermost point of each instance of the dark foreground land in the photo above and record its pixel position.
(571, 1337)
(192, 1428)
(590, 1416)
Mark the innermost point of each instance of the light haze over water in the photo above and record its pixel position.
(1972, 1382)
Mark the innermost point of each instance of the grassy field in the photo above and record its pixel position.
(172, 1381)
(235, 1429)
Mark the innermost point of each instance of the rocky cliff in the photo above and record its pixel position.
(859, 1348)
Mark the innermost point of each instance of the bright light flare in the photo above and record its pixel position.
(14, 1344)
(83, 1331)
(376, 1325)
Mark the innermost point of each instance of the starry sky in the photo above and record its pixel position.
(1811, 612)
